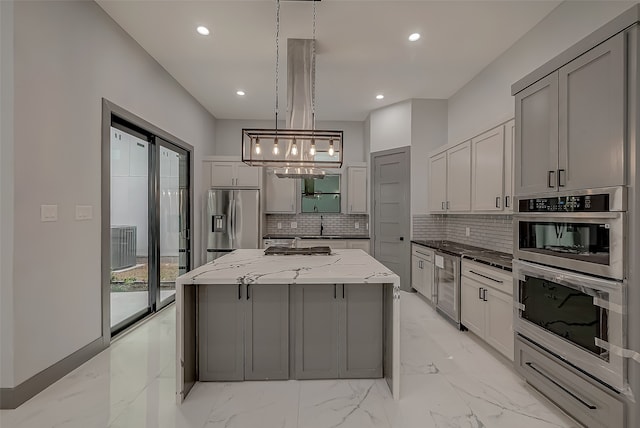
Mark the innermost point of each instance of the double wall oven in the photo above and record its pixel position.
(569, 279)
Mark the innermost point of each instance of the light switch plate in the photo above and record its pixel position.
(48, 213)
(294, 225)
(84, 212)
(467, 231)
(279, 225)
(356, 225)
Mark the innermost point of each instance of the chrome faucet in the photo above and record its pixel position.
(321, 226)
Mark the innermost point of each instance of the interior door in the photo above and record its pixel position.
(391, 189)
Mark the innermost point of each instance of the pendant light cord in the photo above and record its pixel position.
(313, 70)
(277, 56)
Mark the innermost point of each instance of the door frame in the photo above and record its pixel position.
(407, 232)
(109, 111)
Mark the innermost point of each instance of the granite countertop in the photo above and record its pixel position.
(482, 255)
(254, 267)
(276, 236)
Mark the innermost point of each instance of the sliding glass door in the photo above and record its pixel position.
(150, 216)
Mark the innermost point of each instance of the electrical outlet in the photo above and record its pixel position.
(467, 231)
(356, 225)
(279, 225)
(48, 213)
(84, 212)
(294, 225)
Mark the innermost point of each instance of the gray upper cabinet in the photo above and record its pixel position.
(570, 119)
(592, 118)
(360, 331)
(221, 338)
(315, 331)
(536, 149)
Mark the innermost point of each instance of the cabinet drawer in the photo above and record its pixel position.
(422, 252)
(486, 275)
(587, 403)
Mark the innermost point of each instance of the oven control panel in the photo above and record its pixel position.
(582, 203)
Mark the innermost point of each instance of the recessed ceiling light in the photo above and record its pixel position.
(414, 37)
(241, 93)
(379, 97)
(202, 30)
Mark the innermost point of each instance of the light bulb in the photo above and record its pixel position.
(294, 148)
(276, 150)
(331, 148)
(257, 148)
(312, 150)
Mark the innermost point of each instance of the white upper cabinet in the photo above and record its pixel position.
(488, 170)
(509, 141)
(459, 178)
(438, 182)
(234, 174)
(357, 190)
(280, 194)
(572, 119)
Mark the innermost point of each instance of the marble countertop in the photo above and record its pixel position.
(277, 236)
(482, 255)
(253, 267)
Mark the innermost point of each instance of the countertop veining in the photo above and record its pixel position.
(482, 255)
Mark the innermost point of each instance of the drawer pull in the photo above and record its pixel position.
(480, 293)
(487, 277)
(553, 381)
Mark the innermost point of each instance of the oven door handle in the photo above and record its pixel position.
(556, 383)
(550, 217)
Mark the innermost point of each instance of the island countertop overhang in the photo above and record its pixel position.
(254, 267)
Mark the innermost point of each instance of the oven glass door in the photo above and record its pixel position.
(566, 312)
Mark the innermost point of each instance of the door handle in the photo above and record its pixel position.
(551, 179)
(239, 291)
(402, 238)
(484, 294)
(562, 178)
(498, 201)
(443, 205)
(447, 204)
(506, 201)
(553, 381)
(335, 292)
(480, 293)
(248, 285)
(342, 291)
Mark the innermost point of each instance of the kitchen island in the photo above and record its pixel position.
(249, 316)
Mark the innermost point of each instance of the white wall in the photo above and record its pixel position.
(6, 193)
(229, 136)
(428, 132)
(68, 55)
(486, 100)
(390, 127)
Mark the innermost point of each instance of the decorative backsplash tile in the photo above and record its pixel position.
(309, 224)
(494, 232)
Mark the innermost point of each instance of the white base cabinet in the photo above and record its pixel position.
(486, 301)
(422, 271)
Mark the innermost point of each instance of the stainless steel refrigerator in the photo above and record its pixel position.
(233, 219)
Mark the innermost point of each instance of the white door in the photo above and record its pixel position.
(391, 190)
(459, 177)
(438, 183)
(280, 194)
(222, 174)
(472, 306)
(488, 170)
(357, 190)
(498, 324)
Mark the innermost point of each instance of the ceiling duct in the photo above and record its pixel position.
(300, 150)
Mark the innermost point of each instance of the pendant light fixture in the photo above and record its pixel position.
(300, 148)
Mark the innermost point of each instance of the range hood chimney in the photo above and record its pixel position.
(300, 78)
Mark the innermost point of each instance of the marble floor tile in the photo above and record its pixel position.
(450, 379)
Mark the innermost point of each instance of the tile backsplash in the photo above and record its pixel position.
(309, 224)
(494, 232)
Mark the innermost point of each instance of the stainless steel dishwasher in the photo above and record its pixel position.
(447, 283)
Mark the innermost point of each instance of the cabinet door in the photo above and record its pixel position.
(472, 307)
(357, 190)
(488, 170)
(280, 194)
(359, 244)
(499, 321)
(416, 274)
(220, 332)
(267, 332)
(536, 149)
(247, 176)
(222, 174)
(315, 331)
(459, 177)
(427, 280)
(360, 329)
(438, 182)
(592, 118)
(509, 140)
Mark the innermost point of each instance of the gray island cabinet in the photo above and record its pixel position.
(247, 316)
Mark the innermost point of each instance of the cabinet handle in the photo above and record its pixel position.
(553, 381)
(443, 205)
(351, 208)
(480, 293)
(343, 291)
(562, 178)
(239, 291)
(447, 204)
(335, 293)
(551, 179)
(485, 276)
(506, 201)
(484, 294)
(498, 201)
(248, 285)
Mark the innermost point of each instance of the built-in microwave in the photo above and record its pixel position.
(573, 316)
(580, 231)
